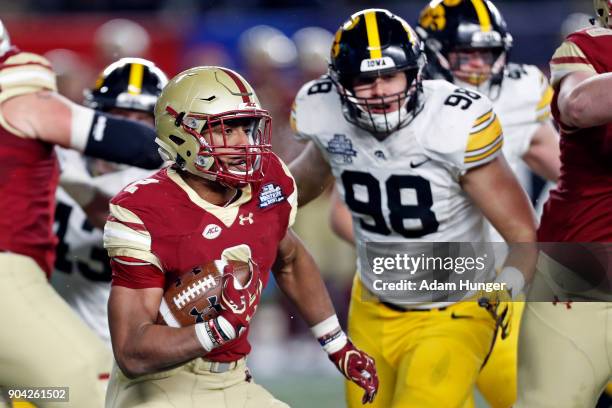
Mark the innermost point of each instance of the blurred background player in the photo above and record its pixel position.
(43, 343)
(128, 88)
(577, 211)
(210, 124)
(467, 43)
(374, 125)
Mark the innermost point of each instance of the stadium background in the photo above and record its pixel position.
(267, 41)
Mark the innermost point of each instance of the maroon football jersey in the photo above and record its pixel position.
(162, 221)
(29, 172)
(579, 208)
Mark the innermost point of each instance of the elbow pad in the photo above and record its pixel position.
(118, 140)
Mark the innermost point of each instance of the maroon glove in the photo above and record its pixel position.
(239, 304)
(358, 367)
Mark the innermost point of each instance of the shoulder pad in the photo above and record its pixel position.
(316, 103)
(459, 126)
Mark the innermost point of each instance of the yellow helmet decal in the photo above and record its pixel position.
(373, 35)
(483, 15)
(336, 45)
(135, 79)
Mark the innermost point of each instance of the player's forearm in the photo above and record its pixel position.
(299, 278)
(544, 163)
(588, 103)
(543, 156)
(153, 348)
(340, 219)
(523, 256)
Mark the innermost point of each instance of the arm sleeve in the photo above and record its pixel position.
(114, 139)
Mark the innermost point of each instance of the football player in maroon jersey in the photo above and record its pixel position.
(226, 197)
(42, 342)
(563, 346)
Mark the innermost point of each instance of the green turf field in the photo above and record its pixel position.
(314, 391)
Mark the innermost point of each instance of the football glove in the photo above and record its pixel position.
(500, 306)
(238, 305)
(358, 367)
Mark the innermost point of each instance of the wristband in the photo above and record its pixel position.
(514, 280)
(329, 334)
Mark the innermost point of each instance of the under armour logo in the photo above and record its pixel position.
(567, 303)
(198, 315)
(248, 218)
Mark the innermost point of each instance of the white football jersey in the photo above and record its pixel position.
(405, 188)
(82, 272)
(522, 105)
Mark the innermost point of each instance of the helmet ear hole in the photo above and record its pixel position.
(177, 140)
(188, 153)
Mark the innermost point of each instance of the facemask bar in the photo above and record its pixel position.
(359, 108)
(491, 58)
(251, 156)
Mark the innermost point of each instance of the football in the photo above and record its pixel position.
(194, 297)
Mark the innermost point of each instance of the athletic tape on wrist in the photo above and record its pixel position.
(214, 333)
(329, 334)
(513, 278)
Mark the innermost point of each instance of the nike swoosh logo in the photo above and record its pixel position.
(415, 165)
(456, 316)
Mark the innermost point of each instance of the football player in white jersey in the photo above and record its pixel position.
(129, 88)
(467, 43)
(415, 161)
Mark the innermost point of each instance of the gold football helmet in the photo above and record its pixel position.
(205, 100)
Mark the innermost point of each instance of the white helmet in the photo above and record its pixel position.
(5, 40)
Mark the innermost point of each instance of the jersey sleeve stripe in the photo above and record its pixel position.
(486, 148)
(543, 107)
(483, 118)
(26, 63)
(489, 154)
(546, 98)
(130, 263)
(40, 77)
(484, 134)
(123, 215)
(116, 231)
(568, 58)
(145, 256)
